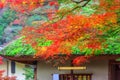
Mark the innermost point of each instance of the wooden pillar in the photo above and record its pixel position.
(72, 66)
(35, 70)
(72, 72)
(7, 68)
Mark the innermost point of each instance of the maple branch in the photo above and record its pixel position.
(75, 8)
(80, 6)
(77, 2)
(42, 13)
(86, 2)
(57, 18)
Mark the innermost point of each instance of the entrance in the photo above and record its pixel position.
(115, 70)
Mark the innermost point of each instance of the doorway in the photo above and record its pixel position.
(117, 71)
(114, 70)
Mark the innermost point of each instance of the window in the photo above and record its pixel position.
(13, 67)
(55, 76)
(75, 76)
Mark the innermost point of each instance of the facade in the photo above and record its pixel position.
(105, 68)
(13, 69)
(98, 69)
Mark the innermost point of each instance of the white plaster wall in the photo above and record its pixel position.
(18, 70)
(98, 68)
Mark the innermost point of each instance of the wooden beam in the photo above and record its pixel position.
(31, 59)
(71, 68)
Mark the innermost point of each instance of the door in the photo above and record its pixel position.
(117, 71)
(114, 71)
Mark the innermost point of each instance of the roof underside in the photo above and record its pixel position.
(32, 60)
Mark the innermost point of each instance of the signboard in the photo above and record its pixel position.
(55, 76)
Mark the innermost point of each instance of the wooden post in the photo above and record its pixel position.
(35, 70)
(72, 66)
(72, 72)
(7, 68)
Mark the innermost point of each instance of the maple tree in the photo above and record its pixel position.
(70, 30)
(75, 30)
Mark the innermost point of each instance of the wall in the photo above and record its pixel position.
(18, 70)
(98, 68)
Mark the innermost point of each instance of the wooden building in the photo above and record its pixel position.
(104, 67)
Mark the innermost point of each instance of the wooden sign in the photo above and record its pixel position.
(71, 68)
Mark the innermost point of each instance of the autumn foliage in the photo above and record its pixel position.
(25, 6)
(75, 30)
(59, 36)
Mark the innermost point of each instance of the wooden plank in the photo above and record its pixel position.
(72, 68)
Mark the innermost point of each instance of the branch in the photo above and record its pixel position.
(86, 3)
(75, 8)
(78, 2)
(63, 14)
(59, 17)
